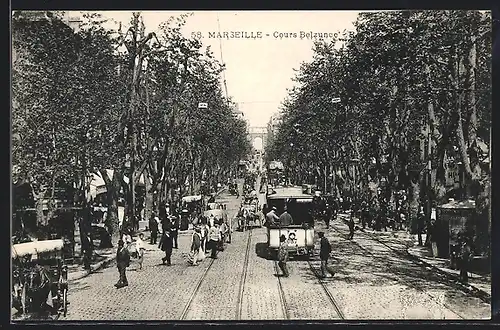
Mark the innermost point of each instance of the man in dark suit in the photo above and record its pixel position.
(166, 243)
(153, 228)
(122, 262)
(324, 252)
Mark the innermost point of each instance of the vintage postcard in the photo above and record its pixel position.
(251, 165)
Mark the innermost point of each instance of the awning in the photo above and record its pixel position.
(218, 213)
(189, 199)
(98, 186)
(34, 248)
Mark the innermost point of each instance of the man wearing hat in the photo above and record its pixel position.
(324, 252)
(166, 246)
(271, 217)
(153, 228)
(283, 255)
(285, 218)
(122, 262)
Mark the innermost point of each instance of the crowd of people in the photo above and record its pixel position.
(209, 237)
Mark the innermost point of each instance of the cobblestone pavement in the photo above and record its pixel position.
(261, 292)
(304, 297)
(217, 297)
(374, 282)
(370, 282)
(157, 292)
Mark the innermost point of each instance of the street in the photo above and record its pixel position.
(371, 281)
(376, 134)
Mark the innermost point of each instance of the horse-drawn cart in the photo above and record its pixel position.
(40, 277)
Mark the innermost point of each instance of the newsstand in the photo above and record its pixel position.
(454, 218)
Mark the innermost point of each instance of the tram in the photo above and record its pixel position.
(300, 234)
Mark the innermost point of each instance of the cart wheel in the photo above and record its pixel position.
(65, 301)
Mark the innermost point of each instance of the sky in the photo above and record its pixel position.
(258, 70)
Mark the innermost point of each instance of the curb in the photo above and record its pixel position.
(98, 266)
(469, 288)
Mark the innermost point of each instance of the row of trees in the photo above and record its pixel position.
(403, 78)
(96, 100)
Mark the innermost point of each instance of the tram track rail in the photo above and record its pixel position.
(330, 296)
(239, 305)
(243, 279)
(485, 297)
(284, 307)
(185, 311)
(402, 281)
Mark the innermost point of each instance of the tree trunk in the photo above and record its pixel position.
(40, 217)
(149, 198)
(113, 189)
(414, 203)
(157, 197)
(51, 202)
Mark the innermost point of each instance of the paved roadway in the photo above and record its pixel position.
(371, 282)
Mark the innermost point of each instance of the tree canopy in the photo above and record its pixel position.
(402, 77)
(93, 100)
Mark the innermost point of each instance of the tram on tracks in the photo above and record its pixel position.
(299, 234)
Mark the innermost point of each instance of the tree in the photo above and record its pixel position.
(393, 76)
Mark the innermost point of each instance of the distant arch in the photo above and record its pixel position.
(258, 143)
(258, 137)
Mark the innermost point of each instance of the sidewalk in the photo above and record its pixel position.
(478, 284)
(105, 257)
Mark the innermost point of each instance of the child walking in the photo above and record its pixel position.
(140, 247)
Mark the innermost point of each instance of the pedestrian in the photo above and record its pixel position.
(465, 258)
(328, 215)
(153, 228)
(350, 223)
(87, 250)
(166, 246)
(196, 254)
(174, 231)
(211, 220)
(224, 229)
(285, 218)
(204, 232)
(324, 252)
(283, 255)
(364, 214)
(213, 237)
(126, 237)
(122, 262)
(222, 234)
(140, 248)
